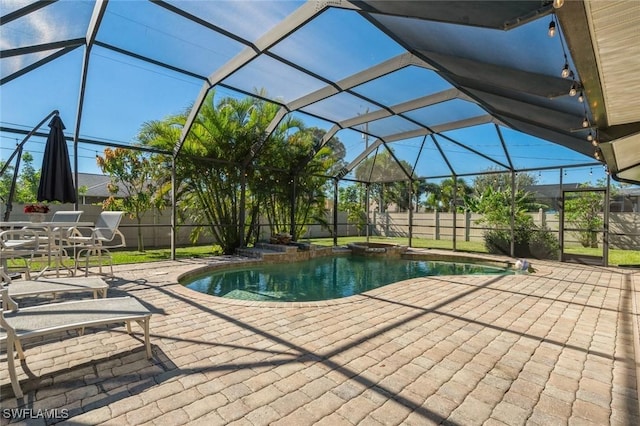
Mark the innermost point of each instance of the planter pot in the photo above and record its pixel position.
(36, 217)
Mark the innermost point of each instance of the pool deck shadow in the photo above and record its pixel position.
(558, 346)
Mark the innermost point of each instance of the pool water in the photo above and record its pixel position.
(323, 278)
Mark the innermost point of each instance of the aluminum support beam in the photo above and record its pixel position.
(305, 13)
(92, 31)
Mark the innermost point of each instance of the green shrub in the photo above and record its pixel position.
(529, 242)
(498, 241)
(543, 244)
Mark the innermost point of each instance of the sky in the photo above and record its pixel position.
(122, 92)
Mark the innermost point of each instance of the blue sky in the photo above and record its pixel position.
(123, 92)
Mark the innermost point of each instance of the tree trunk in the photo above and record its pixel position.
(140, 239)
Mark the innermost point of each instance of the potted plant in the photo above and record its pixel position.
(36, 212)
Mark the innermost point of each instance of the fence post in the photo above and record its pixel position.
(386, 223)
(154, 230)
(467, 225)
(436, 225)
(542, 218)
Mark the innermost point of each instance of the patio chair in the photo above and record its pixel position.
(71, 216)
(18, 244)
(66, 216)
(23, 323)
(97, 241)
(53, 241)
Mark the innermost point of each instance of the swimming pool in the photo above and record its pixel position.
(323, 278)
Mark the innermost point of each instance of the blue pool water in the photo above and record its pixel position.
(323, 278)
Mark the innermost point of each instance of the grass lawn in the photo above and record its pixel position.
(616, 257)
(120, 257)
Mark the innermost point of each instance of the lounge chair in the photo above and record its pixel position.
(24, 323)
(54, 286)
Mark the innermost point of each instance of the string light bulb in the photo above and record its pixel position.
(585, 122)
(573, 90)
(565, 71)
(590, 137)
(581, 97)
(598, 155)
(552, 28)
(557, 4)
(595, 142)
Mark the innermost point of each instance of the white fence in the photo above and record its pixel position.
(156, 228)
(624, 228)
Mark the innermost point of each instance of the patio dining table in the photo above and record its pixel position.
(53, 231)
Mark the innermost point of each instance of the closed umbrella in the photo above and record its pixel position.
(56, 179)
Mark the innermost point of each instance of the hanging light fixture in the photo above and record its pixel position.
(573, 90)
(566, 71)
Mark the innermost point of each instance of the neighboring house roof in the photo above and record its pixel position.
(550, 190)
(96, 184)
(553, 190)
(629, 191)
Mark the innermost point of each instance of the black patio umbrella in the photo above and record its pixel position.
(56, 179)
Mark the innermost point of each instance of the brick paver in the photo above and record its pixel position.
(553, 347)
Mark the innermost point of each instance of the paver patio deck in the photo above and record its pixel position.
(554, 347)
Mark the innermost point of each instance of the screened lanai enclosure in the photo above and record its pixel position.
(504, 126)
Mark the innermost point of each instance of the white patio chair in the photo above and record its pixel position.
(97, 241)
(71, 216)
(18, 244)
(53, 241)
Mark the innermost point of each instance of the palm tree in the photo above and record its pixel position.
(228, 171)
(448, 189)
(209, 187)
